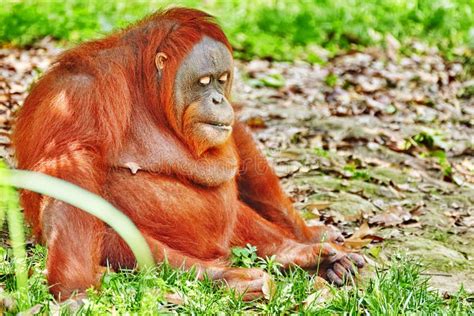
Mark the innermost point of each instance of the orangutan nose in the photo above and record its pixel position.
(217, 98)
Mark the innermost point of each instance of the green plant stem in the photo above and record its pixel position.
(17, 237)
(86, 201)
(3, 198)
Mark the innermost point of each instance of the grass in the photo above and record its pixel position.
(281, 30)
(399, 289)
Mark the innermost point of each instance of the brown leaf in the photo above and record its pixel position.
(175, 298)
(362, 237)
(393, 217)
(468, 221)
(322, 294)
(256, 122)
(31, 311)
(357, 243)
(363, 231)
(268, 288)
(7, 302)
(286, 170)
(318, 205)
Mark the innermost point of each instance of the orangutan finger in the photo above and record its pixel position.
(357, 259)
(251, 296)
(333, 278)
(348, 265)
(340, 270)
(249, 286)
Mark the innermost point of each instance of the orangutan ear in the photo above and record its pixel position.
(160, 60)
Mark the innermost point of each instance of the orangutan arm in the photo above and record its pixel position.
(259, 187)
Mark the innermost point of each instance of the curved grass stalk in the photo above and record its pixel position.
(86, 201)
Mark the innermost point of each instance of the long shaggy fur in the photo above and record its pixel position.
(104, 103)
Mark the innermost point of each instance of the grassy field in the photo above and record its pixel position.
(398, 289)
(282, 30)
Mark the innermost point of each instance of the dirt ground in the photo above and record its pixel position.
(379, 143)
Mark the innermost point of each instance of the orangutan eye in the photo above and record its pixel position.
(205, 80)
(223, 78)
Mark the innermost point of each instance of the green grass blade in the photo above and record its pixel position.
(87, 201)
(9, 207)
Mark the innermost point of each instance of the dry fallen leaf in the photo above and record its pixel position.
(468, 221)
(392, 217)
(363, 231)
(7, 302)
(318, 205)
(323, 293)
(256, 122)
(175, 298)
(362, 237)
(31, 311)
(269, 287)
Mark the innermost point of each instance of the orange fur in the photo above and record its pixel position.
(103, 104)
